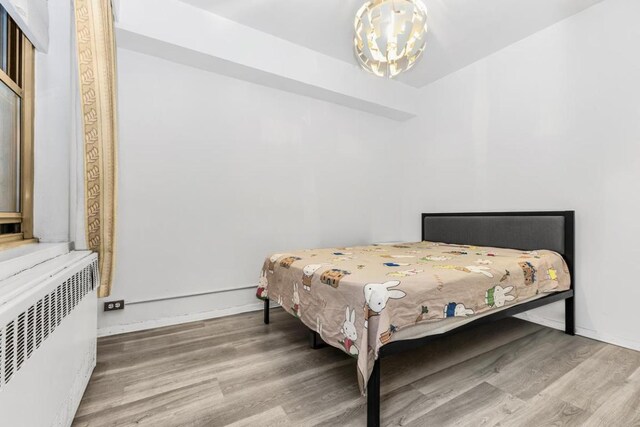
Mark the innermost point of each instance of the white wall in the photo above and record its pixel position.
(549, 123)
(216, 173)
(53, 128)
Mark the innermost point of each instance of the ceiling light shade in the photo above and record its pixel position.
(390, 35)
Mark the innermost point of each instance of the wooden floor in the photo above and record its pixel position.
(237, 371)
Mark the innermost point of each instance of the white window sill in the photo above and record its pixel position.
(21, 258)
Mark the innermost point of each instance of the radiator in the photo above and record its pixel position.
(48, 317)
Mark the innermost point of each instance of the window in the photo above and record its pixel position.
(16, 134)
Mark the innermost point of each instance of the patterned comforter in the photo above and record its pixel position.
(357, 298)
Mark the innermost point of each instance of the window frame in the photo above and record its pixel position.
(23, 85)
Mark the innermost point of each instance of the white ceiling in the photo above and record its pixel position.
(461, 31)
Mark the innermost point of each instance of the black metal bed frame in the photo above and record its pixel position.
(394, 347)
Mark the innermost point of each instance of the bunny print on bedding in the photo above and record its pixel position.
(295, 301)
(457, 310)
(262, 292)
(377, 295)
(350, 332)
(498, 296)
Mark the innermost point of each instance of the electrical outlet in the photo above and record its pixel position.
(114, 305)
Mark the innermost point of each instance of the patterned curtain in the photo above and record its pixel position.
(97, 79)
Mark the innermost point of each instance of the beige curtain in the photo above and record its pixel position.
(97, 78)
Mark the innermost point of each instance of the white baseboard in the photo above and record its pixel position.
(177, 320)
(584, 332)
(174, 311)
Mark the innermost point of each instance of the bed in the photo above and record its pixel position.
(468, 268)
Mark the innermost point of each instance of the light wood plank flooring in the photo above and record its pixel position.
(236, 371)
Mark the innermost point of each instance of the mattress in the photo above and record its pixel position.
(360, 298)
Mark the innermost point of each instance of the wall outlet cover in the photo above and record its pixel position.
(114, 305)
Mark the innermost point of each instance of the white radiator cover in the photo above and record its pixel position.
(48, 317)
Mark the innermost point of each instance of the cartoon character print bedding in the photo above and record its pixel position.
(357, 298)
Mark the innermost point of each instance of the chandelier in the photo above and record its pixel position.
(390, 35)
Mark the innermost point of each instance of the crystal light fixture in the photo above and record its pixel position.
(390, 35)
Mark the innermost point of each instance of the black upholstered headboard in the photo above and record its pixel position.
(517, 230)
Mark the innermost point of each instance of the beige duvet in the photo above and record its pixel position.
(357, 298)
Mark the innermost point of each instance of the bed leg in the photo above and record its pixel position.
(373, 397)
(266, 311)
(315, 341)
(570, 316)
